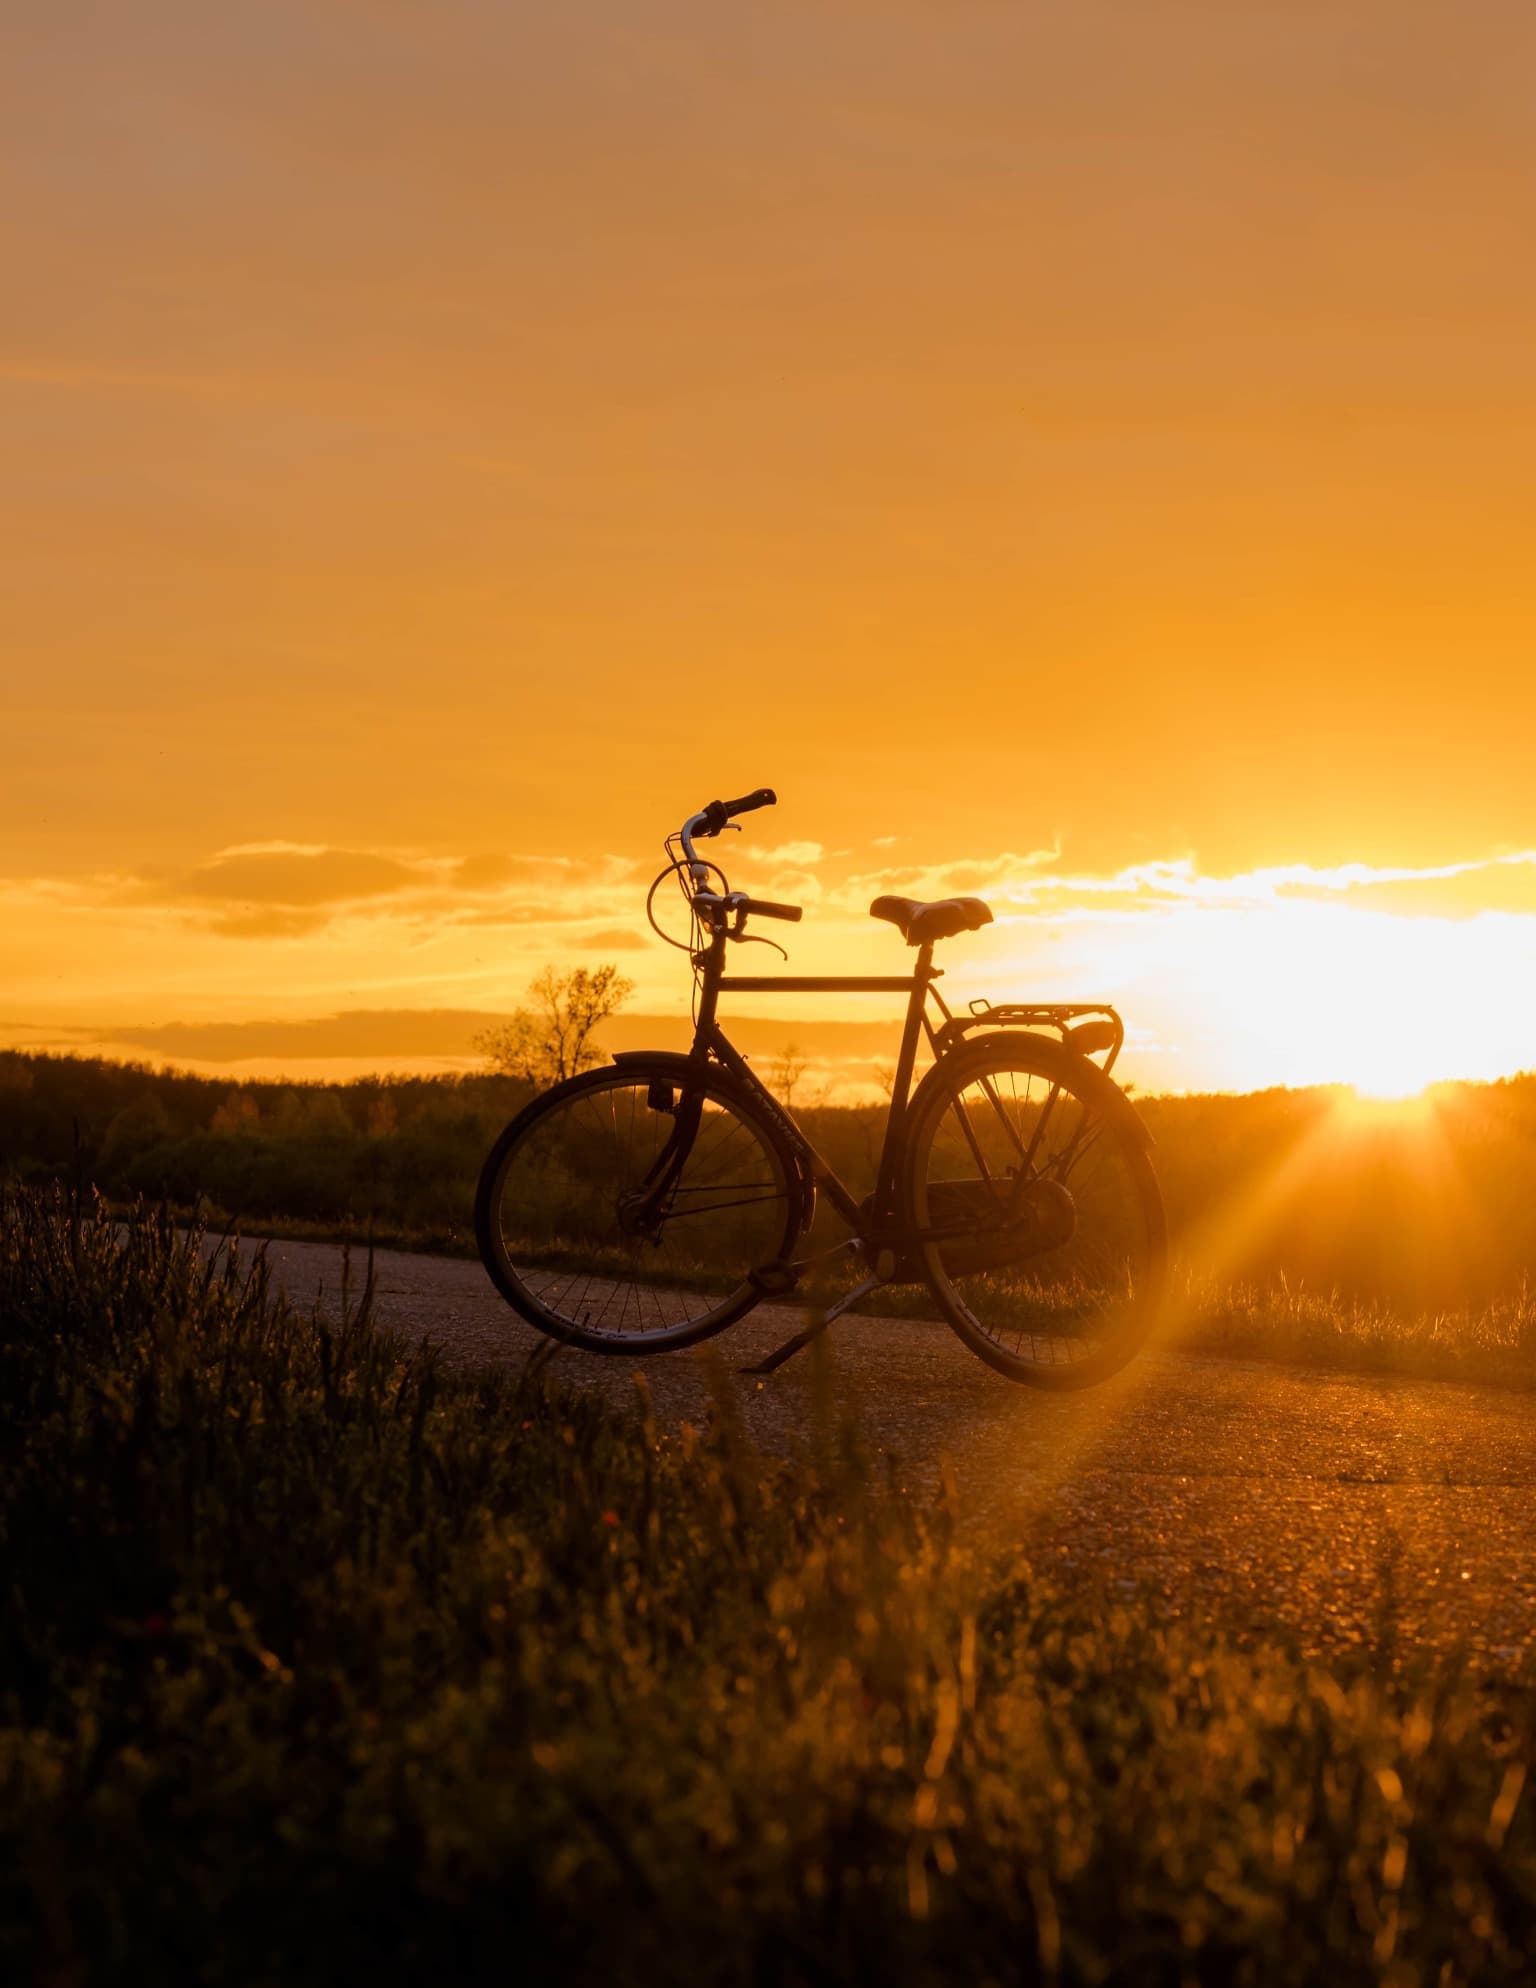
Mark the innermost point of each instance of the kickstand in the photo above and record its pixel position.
(815, 1329)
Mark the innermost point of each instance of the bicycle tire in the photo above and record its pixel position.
(537, 1249)
(1060, 1303)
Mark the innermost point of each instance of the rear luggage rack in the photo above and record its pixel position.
(1070, 1019)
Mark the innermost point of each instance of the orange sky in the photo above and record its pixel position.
(1090, 446)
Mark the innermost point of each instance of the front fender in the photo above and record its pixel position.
(678, 1068)
(673, 1059)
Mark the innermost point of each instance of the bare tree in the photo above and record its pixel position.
(786, 1071)
(786, 1079)
(549, 1038)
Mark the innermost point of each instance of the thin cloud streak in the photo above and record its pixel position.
(1026, 881)
(490, 888)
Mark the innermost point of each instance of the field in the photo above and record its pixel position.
(1306, 1224)
(321, 1662)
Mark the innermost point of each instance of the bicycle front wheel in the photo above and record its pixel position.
(625, 1210)
(1038, 1218)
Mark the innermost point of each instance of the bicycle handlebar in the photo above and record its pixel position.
(711, 819)
(735, 904)
(730, 913)
(718, 813)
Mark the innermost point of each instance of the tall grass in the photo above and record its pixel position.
(322, 1663)
(1302, 1228)
(1427, 1211)
(1494, 1344)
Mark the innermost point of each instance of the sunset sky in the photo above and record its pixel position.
(1081, 454)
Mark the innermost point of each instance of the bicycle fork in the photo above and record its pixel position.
(643, 1210)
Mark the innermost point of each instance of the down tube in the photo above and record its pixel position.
(732, 1059)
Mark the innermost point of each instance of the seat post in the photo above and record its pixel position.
(906, 1061)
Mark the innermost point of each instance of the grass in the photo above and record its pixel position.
(1303, 1228)
(1493, 1345)
(320, 1662)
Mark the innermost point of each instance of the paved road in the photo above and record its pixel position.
(1337, 1511)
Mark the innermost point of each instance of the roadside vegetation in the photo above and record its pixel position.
(320, 1662)
(1306, 1225)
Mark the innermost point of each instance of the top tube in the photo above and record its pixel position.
(796, 983)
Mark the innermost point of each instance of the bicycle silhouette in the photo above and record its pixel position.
(646, 1205)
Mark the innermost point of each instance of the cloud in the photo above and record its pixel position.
(490, 871)
(790, 855)
(495, 915)
(398, 1034)
(277, 921)
(281, 889)
(971, 876)
(361, 1032)
(1216, 962)
(1457, 890)
(294, 876)
(1030, 885)
(289, 889)
(616, 939)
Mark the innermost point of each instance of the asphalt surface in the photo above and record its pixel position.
(1332, 1512)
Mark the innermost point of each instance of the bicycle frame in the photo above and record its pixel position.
(875, 1221)
(710, 1040)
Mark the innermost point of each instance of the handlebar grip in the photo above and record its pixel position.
(790, 913)
(761, 797)
(718, 813)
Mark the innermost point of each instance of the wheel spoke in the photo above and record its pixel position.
(714, 1207)
(1062, 1269)
(569, 1225)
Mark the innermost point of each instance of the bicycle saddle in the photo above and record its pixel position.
(920, 924)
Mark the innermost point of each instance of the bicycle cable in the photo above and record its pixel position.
(677, 868)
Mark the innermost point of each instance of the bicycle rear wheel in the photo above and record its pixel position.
(625, 1210)
(1045, 1243)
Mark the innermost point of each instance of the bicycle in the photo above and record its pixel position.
(648, 1204)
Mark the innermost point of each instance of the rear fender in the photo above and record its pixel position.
(1054, 1061)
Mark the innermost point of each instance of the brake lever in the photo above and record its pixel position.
(757, 939)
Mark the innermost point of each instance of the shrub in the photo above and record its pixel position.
(321, 1663)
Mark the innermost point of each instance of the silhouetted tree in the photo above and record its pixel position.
(239, 1112)
(787, 1071)
(133, 1130)
(787, 1076)
(549, 1038)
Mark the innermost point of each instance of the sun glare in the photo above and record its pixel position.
(1396, 1068)
(1390, 1052)
(1302, 993)
(1400, 1111)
